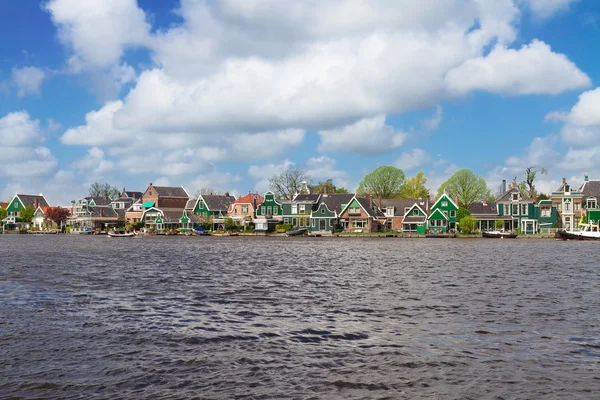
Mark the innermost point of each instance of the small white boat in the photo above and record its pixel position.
(81, 231)
(121, 234)
(585, 232)
(498, 235)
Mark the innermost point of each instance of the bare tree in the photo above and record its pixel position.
(288, 182)
(104, 190)
(204, 191)
(530, 175)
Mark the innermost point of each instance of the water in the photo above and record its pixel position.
(273, 318)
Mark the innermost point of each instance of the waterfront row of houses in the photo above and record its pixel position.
(161, 208)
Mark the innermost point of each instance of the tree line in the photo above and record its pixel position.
(390, 182)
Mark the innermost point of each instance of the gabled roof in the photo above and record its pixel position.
(171, 191)
(3, 205)
(401, 204)
(483, 209)
(99, 200)
(191, 204)
(28, 200)
(590, 189)
(216, 202)
(103, 211)
(447, 198)
(374, 212)
(335, 201)
(508, 195)
(250, 198)
(437, 211)
(309, 198)
(133, 195)
(424, 211)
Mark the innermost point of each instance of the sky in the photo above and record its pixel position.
(225, 94)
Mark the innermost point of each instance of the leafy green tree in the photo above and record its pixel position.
(542, 196)
(230, 225)
(288, 182)
(341, 190)
(26, 214)
(461, 213)
(384, 181)
(2, 213)
(468, 224)
(103, 190)
(326, 187)
(468, 187)
(414, 187)
(499, 224)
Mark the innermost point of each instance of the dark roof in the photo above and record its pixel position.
(103, 211)
(335, 201)
(313, 197)
(414, 218)
(172, 215)
(132, 195)
(99, 200)
(168, 191)
(191, 203)
(373, 212)
(121, 212)
(507, 196)
(483, 209)
(28, 200)
(590, 189)
(216, 202)
(401, 204)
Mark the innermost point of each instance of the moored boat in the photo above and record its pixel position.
(121, 234)
(81, 231)
(585, 232)
(200, 231)
(297, 232)
(499, 235)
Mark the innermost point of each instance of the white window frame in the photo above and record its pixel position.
(294, 208)
(452, 213)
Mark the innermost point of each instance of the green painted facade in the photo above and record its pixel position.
(322, 219)
(592, 216)
(269, 207)
(296, 214)
(202, 209)
(15, 206)
(442, 217)
(546, 214)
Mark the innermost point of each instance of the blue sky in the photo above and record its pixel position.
(226, 94)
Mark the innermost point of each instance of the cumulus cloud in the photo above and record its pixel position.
(21, 152)
(366, 136)
(28, 80)
(93, 163)
(323, 168)
(581, 126)
(547, 8)
(412, 159)
(532, 69)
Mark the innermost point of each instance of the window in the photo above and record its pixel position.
(354, 211)
(201, 204)
(444, 204)
(286, 221)
(591, 203)
(275, 210)
(506, 209)
(416, 211)
(452, 214)
(524, 209)
(244, 209)
(235, 210)
(263, 210)
(515, 196)
(294, 208)
(313, 223)
(359, 223)
(567, 206)
(302, 208)
(150, 193)
(389, 211)
(576, 207)
(322, 211)
(269, 210)
(515, 209)
(545, 212)
(567, 188)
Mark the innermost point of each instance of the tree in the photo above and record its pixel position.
(461, 213)
(414, 187)
(2, 213)
(499, 224)
(468, 187)
(103, 190)
(384, 181)
(341, 190)
(530, 174)
(57, 214)
(327, 187)
(288, 182)
(542, 196)
(26, 214)
(204, 191)
(468, 224)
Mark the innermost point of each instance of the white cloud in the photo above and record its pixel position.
(433, 123)
(547, 8)
(412, 159)
(582, 123)
(18, 129)
(320, 169)
(262, 173)
(366, 136)
(94, 163)
(533, 69)
(98, 32)
(28, 80)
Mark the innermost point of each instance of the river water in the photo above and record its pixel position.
(298, 318)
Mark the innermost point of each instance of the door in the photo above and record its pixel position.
(322, 224)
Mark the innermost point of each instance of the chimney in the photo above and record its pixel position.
(503, 186)
(484, 202)
(36, 203)
(371, 202)
(564, 181)
(379, 202)
(586, 178)
(456, 200)
(226, 194)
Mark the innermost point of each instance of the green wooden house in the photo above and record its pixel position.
(325, 217)
(442, 216)
(415, 220)
(269, 208)
(297, 212)
(521, 209)
(17, 204)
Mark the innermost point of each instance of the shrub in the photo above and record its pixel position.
(468, 224)
(283, 227)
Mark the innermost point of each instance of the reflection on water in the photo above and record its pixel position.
(193, 317)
